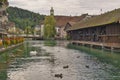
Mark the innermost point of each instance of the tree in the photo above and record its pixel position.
(49, 27)
(28, 30)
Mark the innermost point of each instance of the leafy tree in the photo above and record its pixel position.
(49, 27)
(28, 30)
(32, 31)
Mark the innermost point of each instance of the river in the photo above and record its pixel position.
(34, 61)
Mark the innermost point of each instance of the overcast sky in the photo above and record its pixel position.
(67, 7)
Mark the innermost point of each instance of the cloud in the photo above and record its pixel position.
(67, 7)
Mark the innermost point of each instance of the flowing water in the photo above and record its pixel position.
(34, 61)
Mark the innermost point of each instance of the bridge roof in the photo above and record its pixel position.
(103, 19)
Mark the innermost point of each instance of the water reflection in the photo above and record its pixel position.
(34, 61)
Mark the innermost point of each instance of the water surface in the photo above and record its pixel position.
(34, 61)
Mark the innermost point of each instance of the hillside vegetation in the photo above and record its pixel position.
(24, 18)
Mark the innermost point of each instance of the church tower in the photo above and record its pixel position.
(52, 11)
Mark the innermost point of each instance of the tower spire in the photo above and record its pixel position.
(51, 11)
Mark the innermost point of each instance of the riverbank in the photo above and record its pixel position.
(9, 47)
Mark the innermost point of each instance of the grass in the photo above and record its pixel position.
(51, 43)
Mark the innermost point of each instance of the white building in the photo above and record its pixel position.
(37, 30)
(42, 30)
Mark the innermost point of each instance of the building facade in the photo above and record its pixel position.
(100, 31)
(37, 30)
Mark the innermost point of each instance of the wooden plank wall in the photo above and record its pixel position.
(113, 29)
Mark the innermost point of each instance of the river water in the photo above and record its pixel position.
(34, 61)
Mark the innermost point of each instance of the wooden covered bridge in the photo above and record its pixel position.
(102, 30)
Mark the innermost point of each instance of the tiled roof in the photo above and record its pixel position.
(62, 20)
(103, 19)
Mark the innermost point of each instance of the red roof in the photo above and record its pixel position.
(62, 20)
